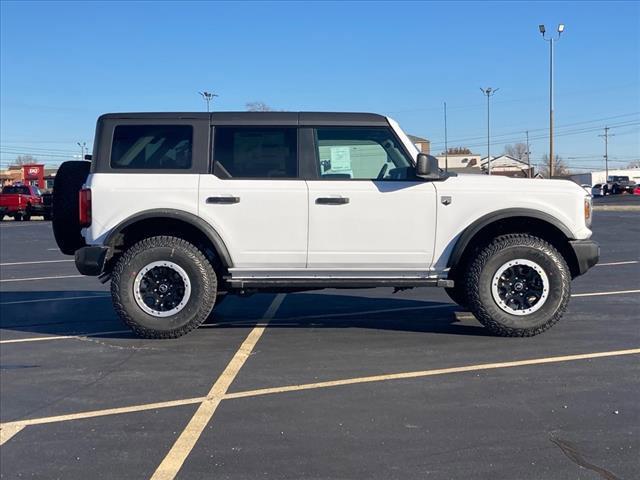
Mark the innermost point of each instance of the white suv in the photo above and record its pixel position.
(180, 209)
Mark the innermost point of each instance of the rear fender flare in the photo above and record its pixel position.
(195, 221)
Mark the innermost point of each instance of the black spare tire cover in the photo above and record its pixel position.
(66, 222)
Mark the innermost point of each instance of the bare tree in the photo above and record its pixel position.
(518, 151)
(458, 151)
(258, 107)
(559, 167)
(25, 160)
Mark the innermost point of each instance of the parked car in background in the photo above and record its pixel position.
(22, 202)
(599, 190)
(620, 183)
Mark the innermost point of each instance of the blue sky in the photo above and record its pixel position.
(63, 64)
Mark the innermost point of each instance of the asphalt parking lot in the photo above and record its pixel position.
(329, 384)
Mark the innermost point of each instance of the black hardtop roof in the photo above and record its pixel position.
(260, 118)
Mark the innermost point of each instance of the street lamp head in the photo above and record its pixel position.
(561, 28)
(542, 30)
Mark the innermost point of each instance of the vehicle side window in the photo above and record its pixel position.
(361, 153)
(255, 152)
(153, 147)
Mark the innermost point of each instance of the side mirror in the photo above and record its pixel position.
(427, 167)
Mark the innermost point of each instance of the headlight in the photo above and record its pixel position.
(588, 211)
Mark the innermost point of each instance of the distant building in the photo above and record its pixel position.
(507, 166)
(460, 162)
(599, 176)
(422, 144)
(32, 174)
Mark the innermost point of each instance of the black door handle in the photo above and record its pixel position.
(223, 200)
(332, 200)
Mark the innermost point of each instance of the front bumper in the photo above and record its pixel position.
(90, 260)
(587, 254)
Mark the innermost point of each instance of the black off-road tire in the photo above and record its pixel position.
(458, 294)
(484, 266)
(199, 270)
(65, 205)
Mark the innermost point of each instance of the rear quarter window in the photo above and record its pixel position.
(152, 147)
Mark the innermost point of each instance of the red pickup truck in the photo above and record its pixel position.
(23, 201)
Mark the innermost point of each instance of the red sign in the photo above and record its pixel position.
(33, 174)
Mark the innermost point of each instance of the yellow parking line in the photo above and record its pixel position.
(6, 429)
(54, 299)
(596, 294)
(611, 264)
(39, 278)
(427, 373)
(60, 337)
(9, 430)
(172, 463)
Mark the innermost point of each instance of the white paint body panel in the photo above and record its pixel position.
(474, 196)
(118, 196)
(385, 225)
(267, 228)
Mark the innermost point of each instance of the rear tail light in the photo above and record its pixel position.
(85, 207)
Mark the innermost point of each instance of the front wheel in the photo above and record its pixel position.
(163, 287)
(518, 286)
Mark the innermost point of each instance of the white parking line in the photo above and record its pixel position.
(39, 278)
(56, 299)
(611, 264)
(596, 294)
(61, 337)
(34, 263)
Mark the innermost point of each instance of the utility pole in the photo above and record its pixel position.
(551, 40)
(528, 154)
(446, 148)
(606, 152)
(489, 92)
(208, 97)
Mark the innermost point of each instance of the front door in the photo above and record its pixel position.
(368, 213)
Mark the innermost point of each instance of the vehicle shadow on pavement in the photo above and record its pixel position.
(324, 310)
(91, 313)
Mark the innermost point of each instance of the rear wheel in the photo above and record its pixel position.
(163, 287)
(518, 286)
(65, 207)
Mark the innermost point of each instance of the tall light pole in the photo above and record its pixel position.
(489, 92)
(82, 146)
(208, 96)
(551, 40)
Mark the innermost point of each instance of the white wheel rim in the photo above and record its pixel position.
(520, 287)
(162, 289)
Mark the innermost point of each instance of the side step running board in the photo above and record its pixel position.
(337, 282)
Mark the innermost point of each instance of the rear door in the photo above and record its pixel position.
(367, 210)
(254, 198)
